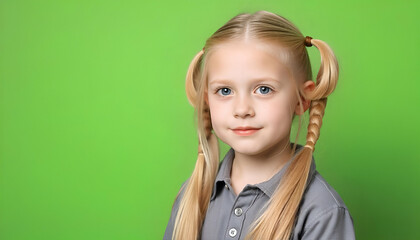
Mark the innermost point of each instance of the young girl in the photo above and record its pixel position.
(247, 84)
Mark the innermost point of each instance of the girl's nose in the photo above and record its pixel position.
(243, 107)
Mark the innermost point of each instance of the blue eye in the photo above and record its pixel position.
(224, 90)
(264, 89)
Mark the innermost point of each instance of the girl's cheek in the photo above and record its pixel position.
(216, 114)
(217, 108)
(218, 117)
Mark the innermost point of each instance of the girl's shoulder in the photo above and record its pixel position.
(322, 209)
(321, 195)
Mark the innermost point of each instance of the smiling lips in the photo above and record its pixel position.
(245, 131)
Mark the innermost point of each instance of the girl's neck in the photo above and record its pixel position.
(259, 168)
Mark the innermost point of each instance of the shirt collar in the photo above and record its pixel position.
(268, 187)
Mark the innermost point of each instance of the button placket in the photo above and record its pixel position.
(243, 201)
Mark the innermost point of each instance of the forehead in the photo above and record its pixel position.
(247, 59)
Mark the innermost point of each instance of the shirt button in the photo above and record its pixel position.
(238, 211)
(232, 232)
(226, 186)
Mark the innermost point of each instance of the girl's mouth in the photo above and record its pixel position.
(245, 131)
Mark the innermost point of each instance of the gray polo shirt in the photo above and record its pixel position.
(322, 213)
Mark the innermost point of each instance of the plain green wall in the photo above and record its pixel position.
(97, 135)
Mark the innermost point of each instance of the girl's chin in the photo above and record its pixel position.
(247, 150)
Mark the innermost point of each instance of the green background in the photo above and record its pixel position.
(97, 135)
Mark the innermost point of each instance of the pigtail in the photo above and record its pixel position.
(327, 77)
(198, 189)
(279, 217)
(192, 79)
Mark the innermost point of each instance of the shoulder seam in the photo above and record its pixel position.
(336, 201)
(320, 180)
(321, 215)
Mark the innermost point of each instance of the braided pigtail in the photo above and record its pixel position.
(198, 189)
(316, 113)
(326, 81)
(279, 218)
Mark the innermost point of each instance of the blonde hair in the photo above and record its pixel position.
(279, 215)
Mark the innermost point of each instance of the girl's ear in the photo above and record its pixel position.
(307, 87)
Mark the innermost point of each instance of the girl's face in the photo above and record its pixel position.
(248, 87)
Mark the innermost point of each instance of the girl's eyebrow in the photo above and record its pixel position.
(219, 81)
(225, 81)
